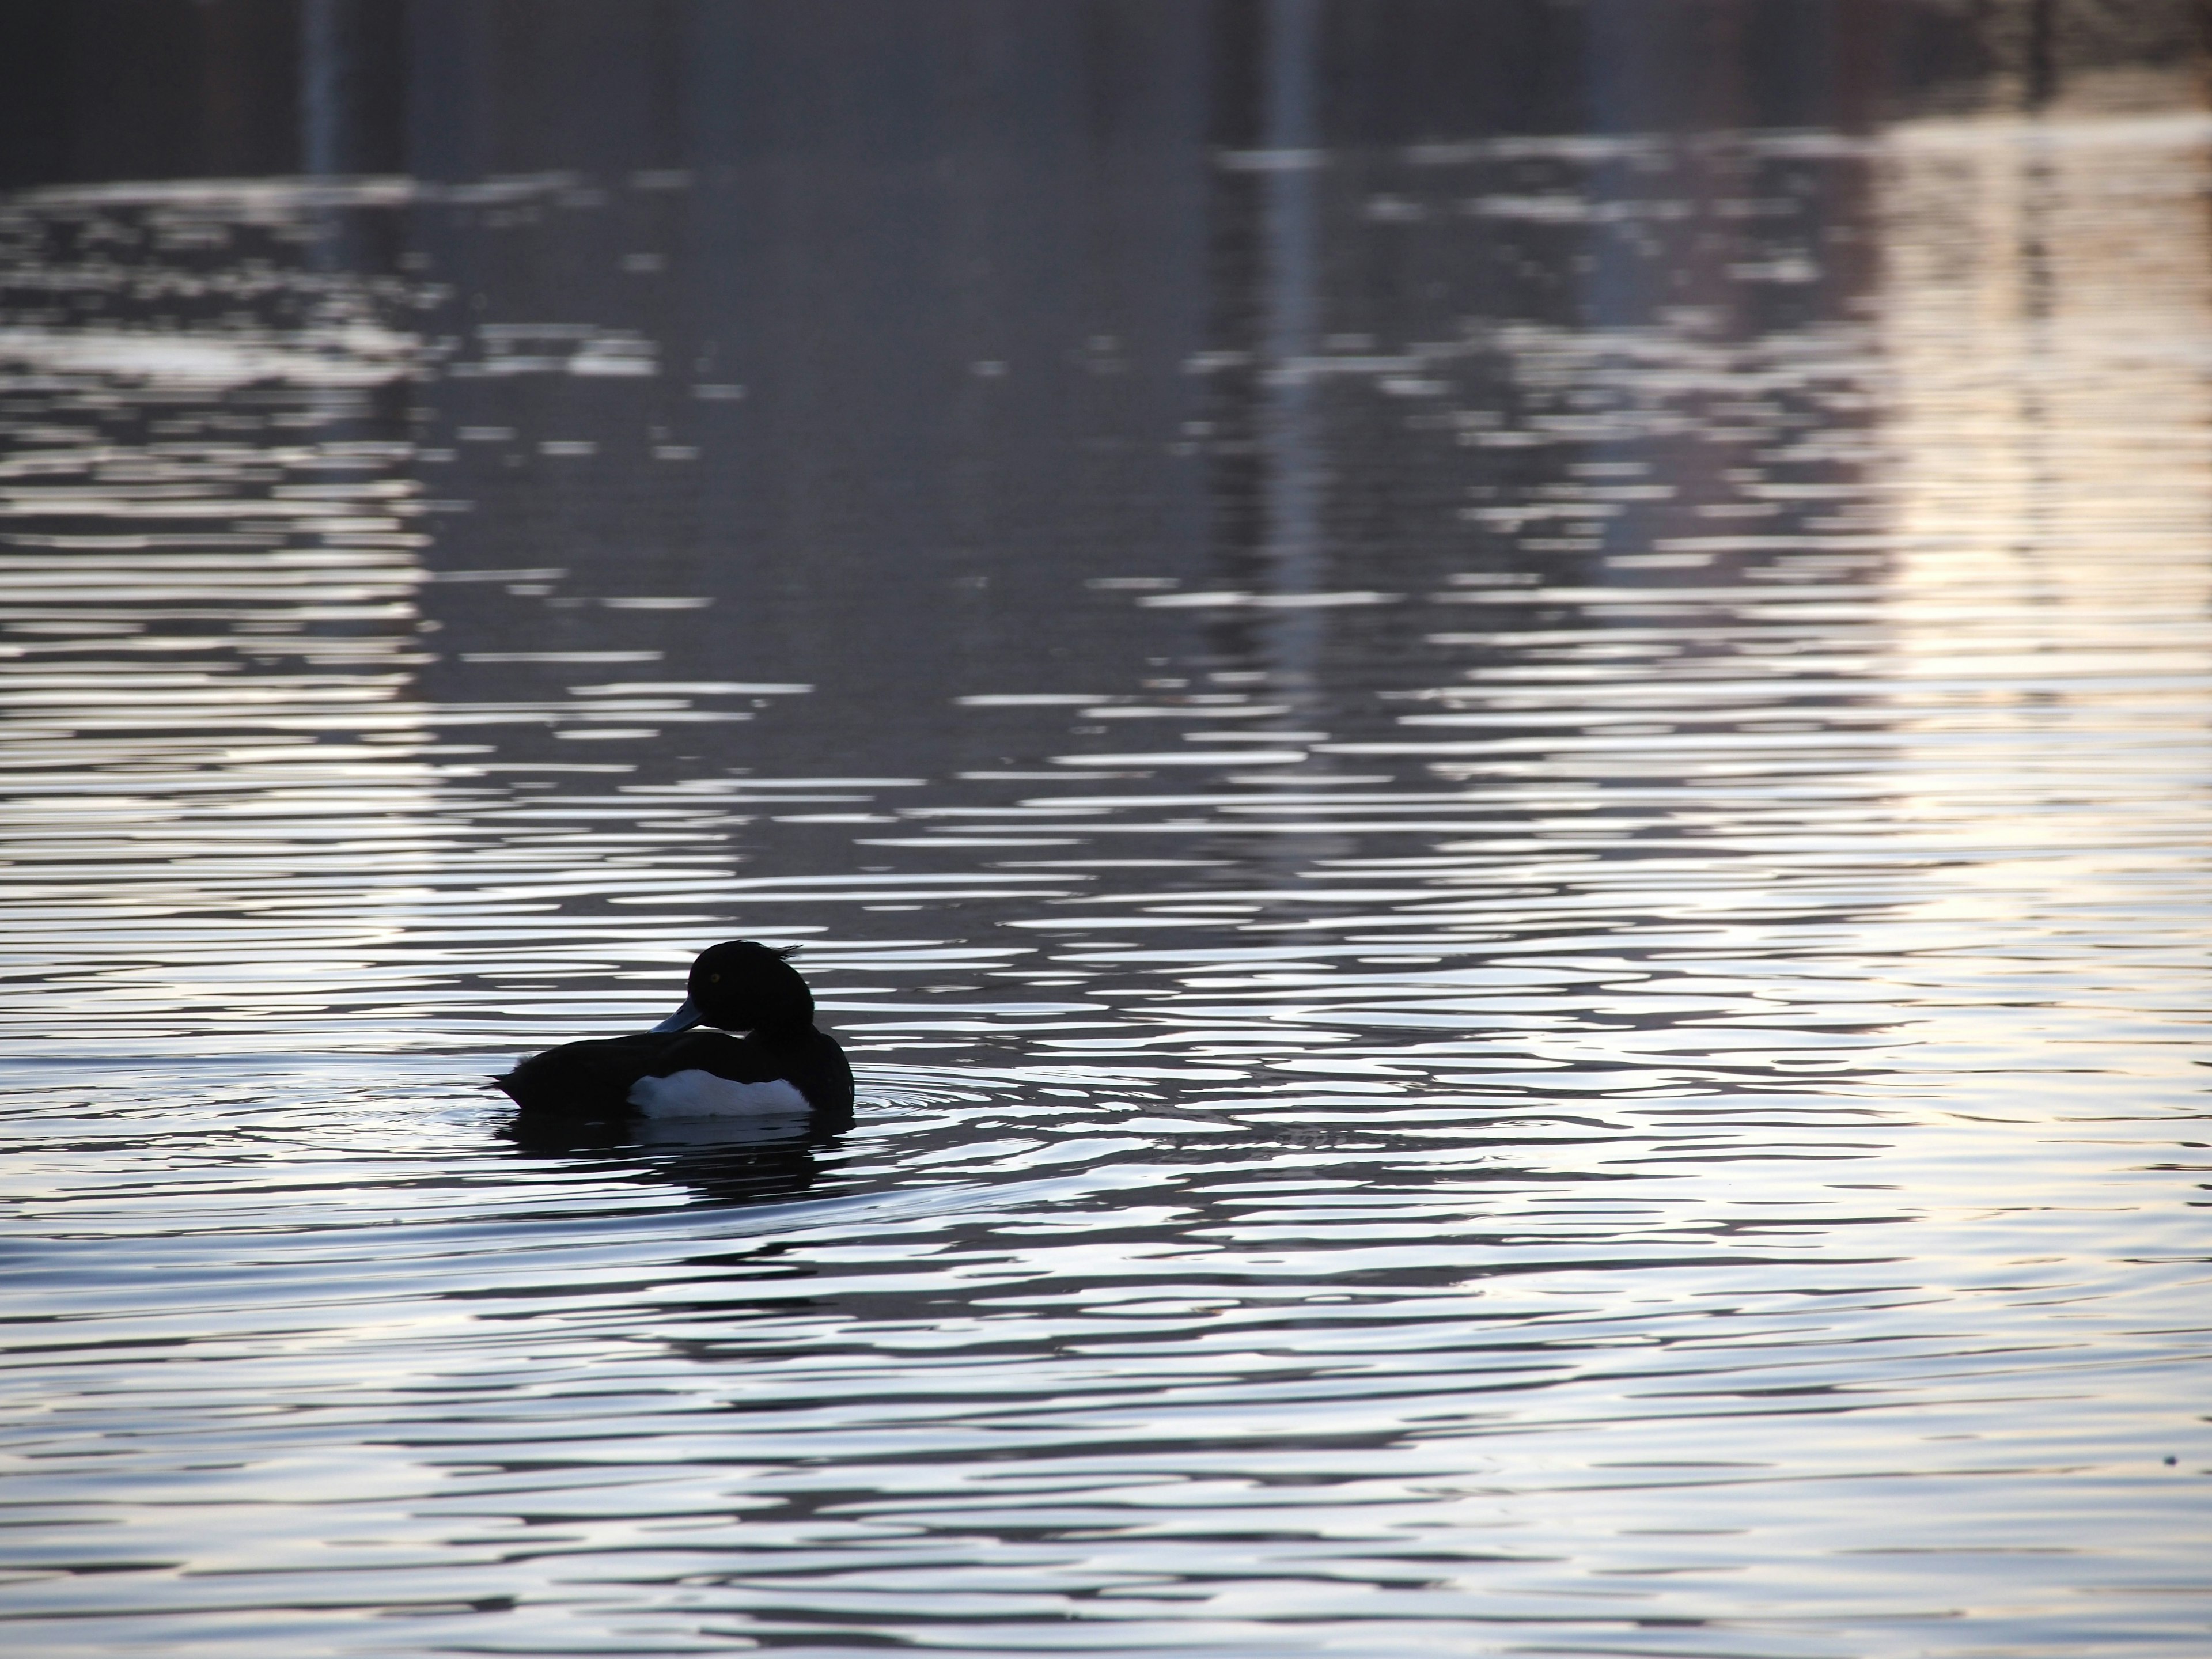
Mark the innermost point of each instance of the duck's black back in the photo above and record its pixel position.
(590, 1082)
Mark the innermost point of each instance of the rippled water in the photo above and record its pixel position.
(1522, 906)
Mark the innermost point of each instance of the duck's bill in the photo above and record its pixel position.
(682, 1019)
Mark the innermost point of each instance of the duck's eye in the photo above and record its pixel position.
(713, 979)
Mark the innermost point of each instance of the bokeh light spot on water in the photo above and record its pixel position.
(1501, 779)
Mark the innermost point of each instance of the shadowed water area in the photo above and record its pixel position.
(1488, 725)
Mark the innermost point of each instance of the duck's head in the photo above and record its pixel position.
(742, 986)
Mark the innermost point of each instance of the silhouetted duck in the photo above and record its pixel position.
(782, 1072)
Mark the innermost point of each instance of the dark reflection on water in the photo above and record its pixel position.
(719, 1163)
(1488, 723)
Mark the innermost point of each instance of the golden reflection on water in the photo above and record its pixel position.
(2046, 495)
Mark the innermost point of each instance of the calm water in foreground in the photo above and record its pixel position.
(1511, 834)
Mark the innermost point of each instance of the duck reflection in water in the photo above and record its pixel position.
(782, 1078)
(719, 1164)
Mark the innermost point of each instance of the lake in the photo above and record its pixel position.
(1488, 725)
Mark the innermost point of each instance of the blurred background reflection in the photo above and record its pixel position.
(1487, 719)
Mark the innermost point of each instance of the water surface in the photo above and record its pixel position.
(1510, 829)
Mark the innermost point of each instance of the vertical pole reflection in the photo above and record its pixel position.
(326, 42)
(2041, 72)
(1268, 470)
(1290, 296)
(2039, 186)
(322, 88)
